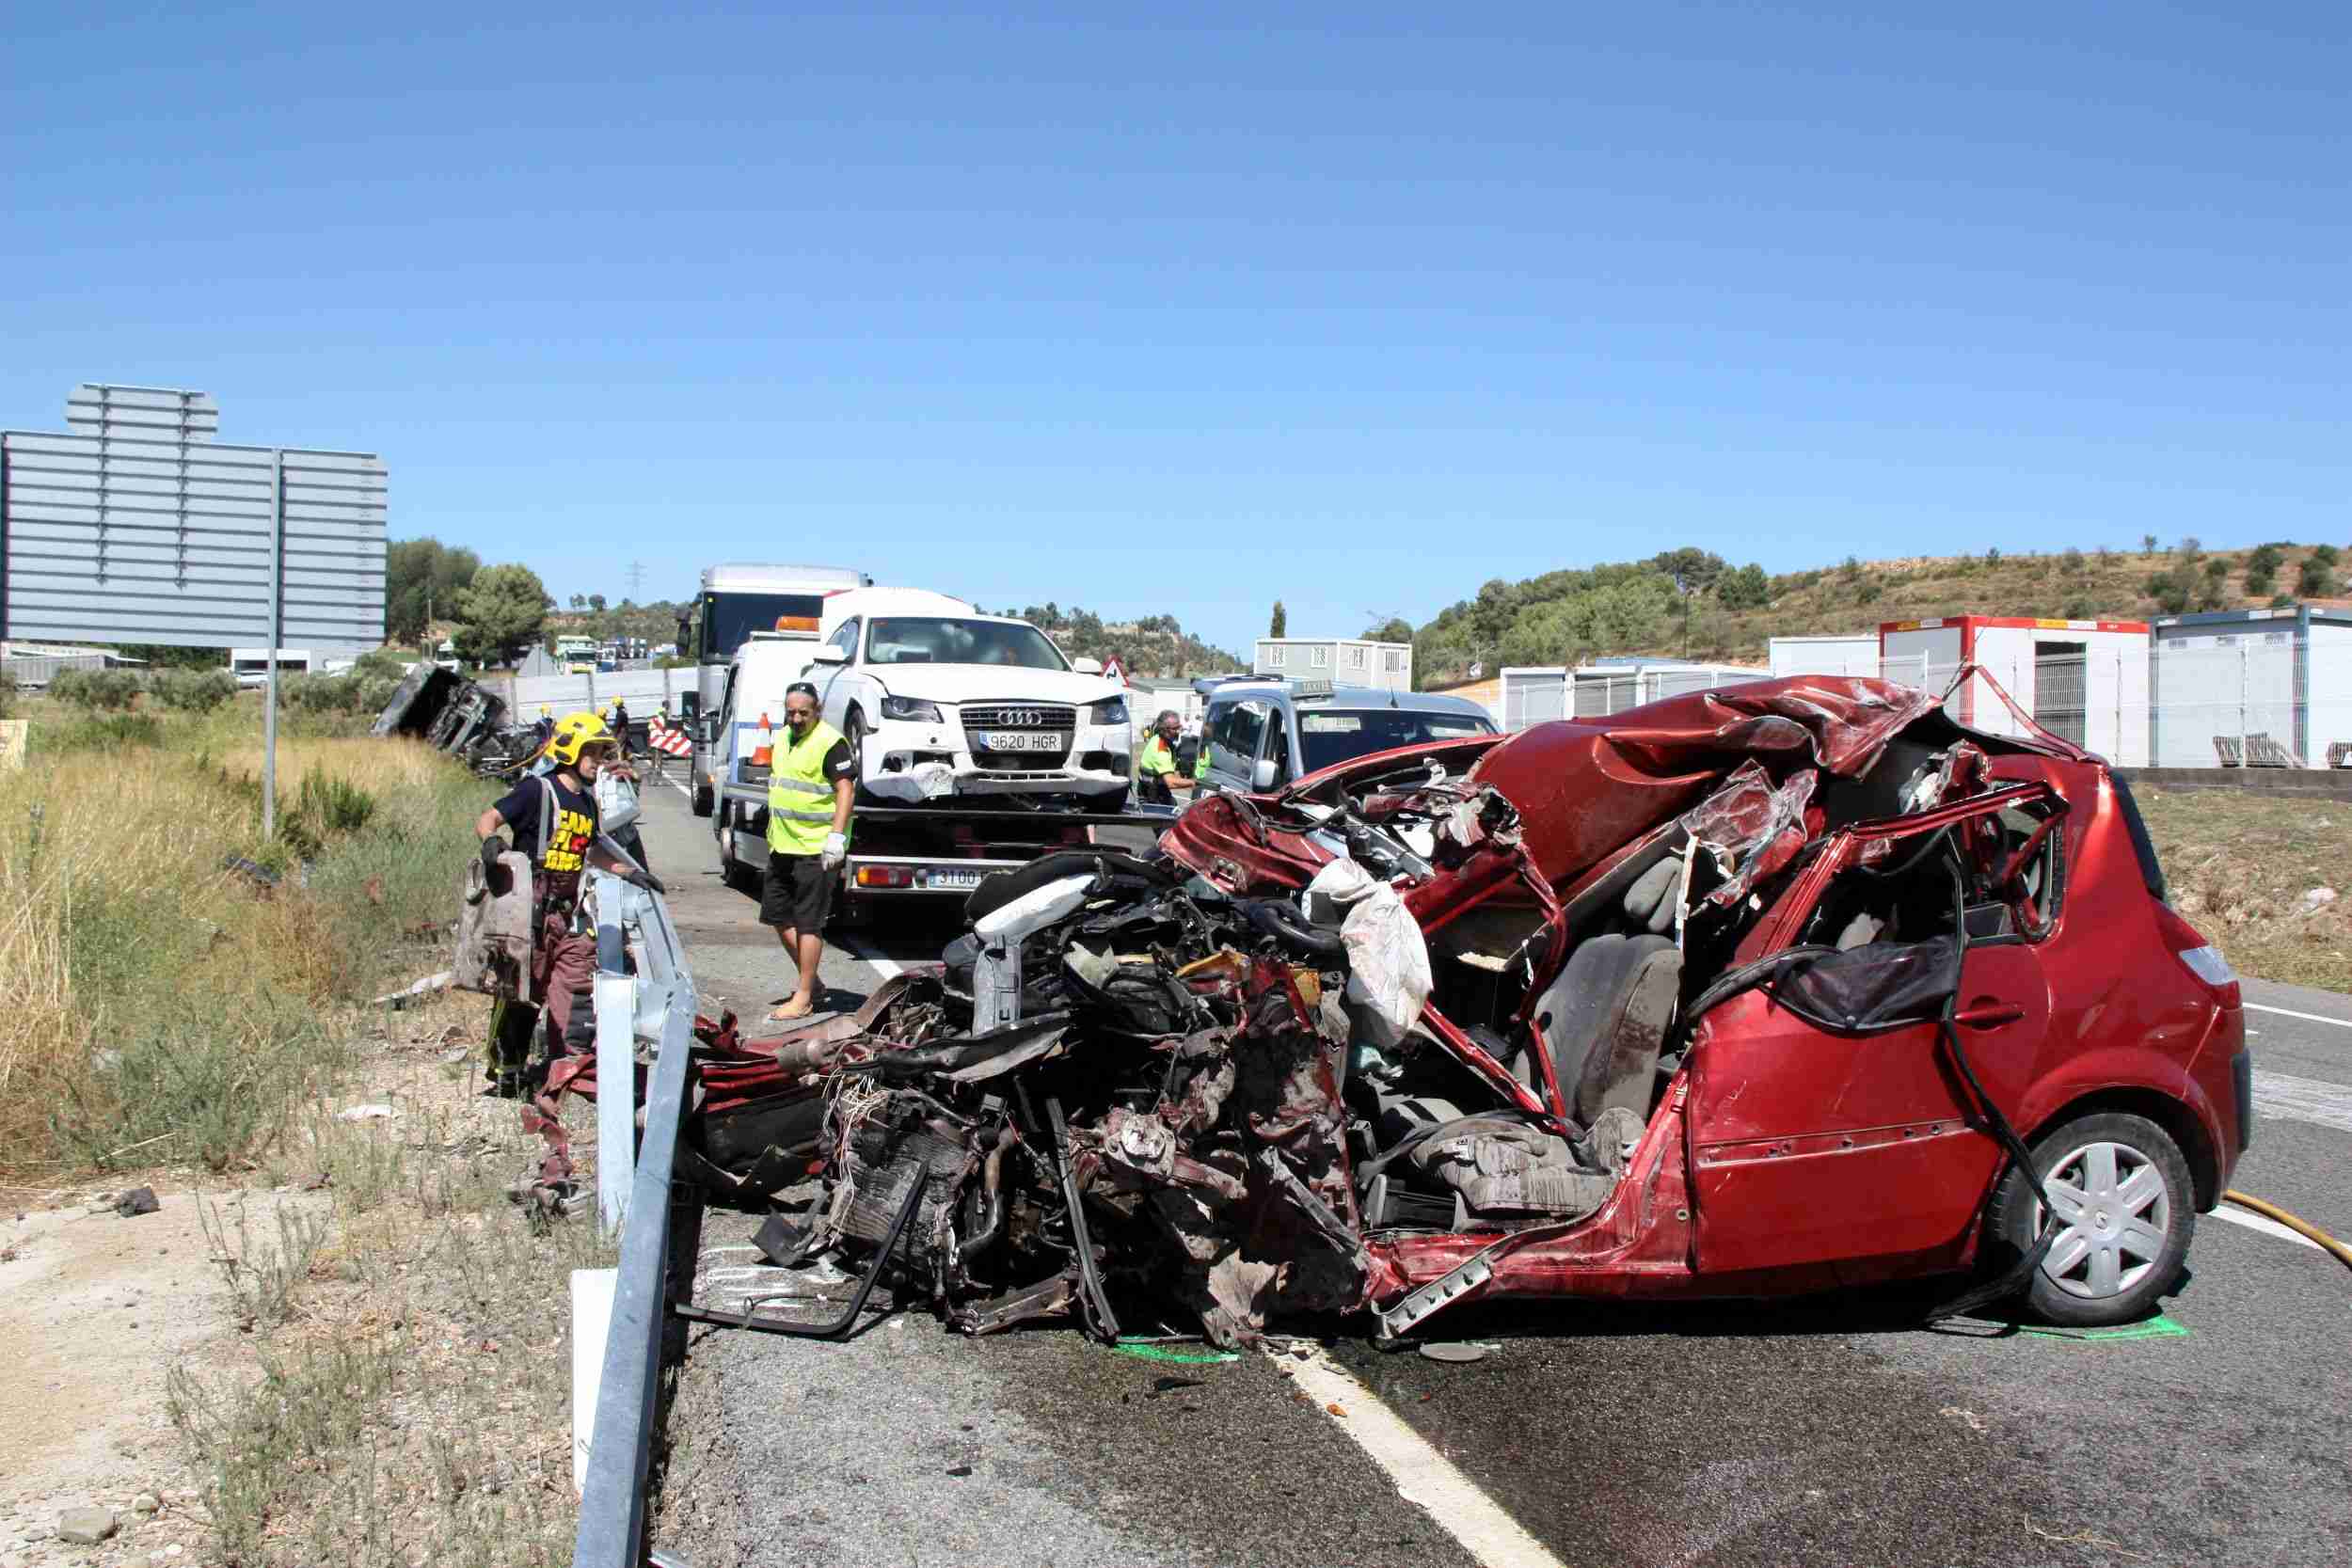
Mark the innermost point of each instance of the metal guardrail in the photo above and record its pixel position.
(613, 1502)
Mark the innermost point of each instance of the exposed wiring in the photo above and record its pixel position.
(2301, 1226)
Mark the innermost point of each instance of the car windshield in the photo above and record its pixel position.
(942, 639)
(1327, 735)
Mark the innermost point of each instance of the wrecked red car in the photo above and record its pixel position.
(1769, 988)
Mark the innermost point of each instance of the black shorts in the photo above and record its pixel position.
(798, 894)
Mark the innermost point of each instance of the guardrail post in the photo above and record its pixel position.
(612, 1503)
(616, 1056)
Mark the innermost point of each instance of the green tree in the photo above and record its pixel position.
(1699, 570)
(1747, 588)
(501, 611)
(1394, 629)
(595, 602)
(2147, 544)
(422, 575)
(1279, 624)
(2313, 580)
(580, 601)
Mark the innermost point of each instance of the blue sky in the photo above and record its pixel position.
(1353, 307)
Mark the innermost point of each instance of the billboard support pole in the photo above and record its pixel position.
(277, 613)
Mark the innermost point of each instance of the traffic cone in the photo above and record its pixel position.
(764, 755)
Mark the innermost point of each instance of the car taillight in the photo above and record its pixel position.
(2200, 956)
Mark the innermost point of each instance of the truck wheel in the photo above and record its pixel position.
(2126, 1211)
(702, 801)
(732, 871)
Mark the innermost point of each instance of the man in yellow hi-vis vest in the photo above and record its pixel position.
(810, 786)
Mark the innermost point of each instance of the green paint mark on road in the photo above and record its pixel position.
(1180, 1357)
(2158, 1327)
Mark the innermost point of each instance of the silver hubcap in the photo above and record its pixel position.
(2113, 1215)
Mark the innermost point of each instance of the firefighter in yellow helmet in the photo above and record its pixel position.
(554, 819)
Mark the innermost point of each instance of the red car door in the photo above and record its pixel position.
(1861, 1148)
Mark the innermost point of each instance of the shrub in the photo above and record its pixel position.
(2280, 601)
(2313, 580)
(1992, 556)
(192, 691)
(1868, 593)
(97, 691)
(2325, 554)
(2259, 580)
(2072, 561)
(98, 732)
(2266, 559)
(2217, 568)
(2080, 609)
(1850, 569)
(2191, 548)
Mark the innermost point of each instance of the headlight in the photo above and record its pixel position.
(1110, 710)
(913, 709)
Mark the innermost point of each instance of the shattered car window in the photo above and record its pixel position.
(1328, 736)
(942, 639)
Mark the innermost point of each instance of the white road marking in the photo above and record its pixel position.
(1422, 1476)
(2267, 1226)
(864, 954)
(2323, 1104)
(2308, 1018)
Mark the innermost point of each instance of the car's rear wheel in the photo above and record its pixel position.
(2125, 1209)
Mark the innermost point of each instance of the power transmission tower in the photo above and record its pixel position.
(636, 580)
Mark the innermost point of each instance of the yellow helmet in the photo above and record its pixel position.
(574, 733)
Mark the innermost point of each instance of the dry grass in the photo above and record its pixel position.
(151, 999)
(412, 1405)
(2238, 865)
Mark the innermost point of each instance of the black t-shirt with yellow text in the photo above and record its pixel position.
(574, 829)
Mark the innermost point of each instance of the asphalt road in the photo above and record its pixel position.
(1827, 1433)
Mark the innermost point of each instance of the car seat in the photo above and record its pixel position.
(1605, 1018)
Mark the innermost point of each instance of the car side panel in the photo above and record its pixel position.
(1810, 1146)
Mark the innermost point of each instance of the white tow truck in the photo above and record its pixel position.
(981, 746)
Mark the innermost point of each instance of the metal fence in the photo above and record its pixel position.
(643, 689)
(34, 675)
(2263, 697)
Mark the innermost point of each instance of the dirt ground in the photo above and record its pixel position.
(94, 1307)
(382, 1377)
(2269, 879)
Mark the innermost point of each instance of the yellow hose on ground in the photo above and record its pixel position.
(2300, 1226)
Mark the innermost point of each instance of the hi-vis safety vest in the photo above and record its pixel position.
(799, 797)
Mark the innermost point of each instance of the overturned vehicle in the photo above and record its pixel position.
(463, 718)
(1777, 988)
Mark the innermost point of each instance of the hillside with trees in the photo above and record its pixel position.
(1154, 647)
(1694, 601)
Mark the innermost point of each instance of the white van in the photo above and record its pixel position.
(762, 667)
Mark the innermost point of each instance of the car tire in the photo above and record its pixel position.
(733, 872)
(702, 802)
(2135, 1210)
(853, 731)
